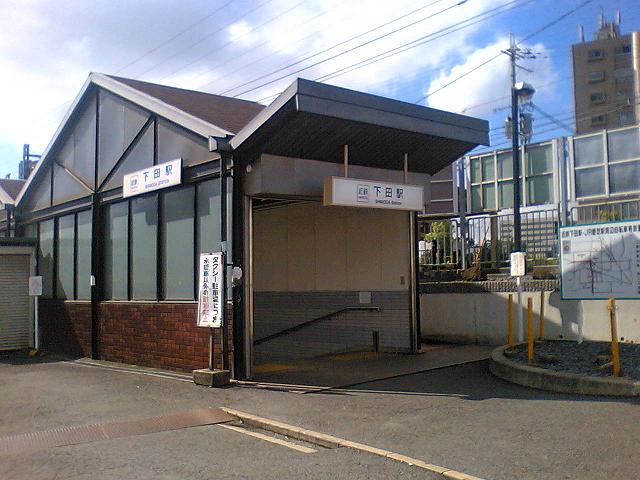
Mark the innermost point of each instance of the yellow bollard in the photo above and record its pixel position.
(530, 329)
(615, 352)
(510, 321)
(541, 321)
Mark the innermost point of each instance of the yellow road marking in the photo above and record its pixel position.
(267, 438)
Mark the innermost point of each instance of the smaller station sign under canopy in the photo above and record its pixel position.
(352, 192)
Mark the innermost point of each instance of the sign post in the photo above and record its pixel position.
(519, 270)
(35, 290)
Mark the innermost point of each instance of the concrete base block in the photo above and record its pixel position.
(212, 378)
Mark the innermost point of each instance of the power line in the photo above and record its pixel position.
(161, 62)
(421, 41)
(368, 42)
(232, 41)
(528, 37)
(309, 55)
(171, 39)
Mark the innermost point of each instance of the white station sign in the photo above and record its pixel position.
(152, 178)
(210, 290)
(352, 192)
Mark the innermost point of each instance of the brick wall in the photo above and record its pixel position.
(154, 334)
(65, 327)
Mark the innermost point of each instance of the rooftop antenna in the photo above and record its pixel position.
(618, 17)
(581, 33)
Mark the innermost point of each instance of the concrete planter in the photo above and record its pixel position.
(560, 382)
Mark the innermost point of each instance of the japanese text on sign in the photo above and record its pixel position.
(600, 260)
(366, 193)
(153, 178)
(210, 290)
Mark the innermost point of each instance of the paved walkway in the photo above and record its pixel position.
(349, 369)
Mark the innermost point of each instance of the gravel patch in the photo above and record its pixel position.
(588, 358)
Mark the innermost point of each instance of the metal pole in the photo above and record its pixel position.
(515, 150)
(520, 316)
(224, 157)
(510, 321)
(530, 329)
(345, 158)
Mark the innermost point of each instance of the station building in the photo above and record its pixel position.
(318, 276)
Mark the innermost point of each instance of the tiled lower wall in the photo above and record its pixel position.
(351, 330)
(154, 334)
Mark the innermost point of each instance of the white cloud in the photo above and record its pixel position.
(484, 88)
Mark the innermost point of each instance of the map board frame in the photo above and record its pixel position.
(634, 257)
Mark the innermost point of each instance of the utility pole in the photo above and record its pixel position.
(515, 53)
(515, 148)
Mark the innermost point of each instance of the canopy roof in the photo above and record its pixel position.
(314, 120)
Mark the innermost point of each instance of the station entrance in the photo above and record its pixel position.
(329, 280)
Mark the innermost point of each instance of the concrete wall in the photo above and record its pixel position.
(311, 260)
(482, 317)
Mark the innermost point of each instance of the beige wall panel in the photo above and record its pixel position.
(270, 250)
(301, 240)
(394, 249)
(308, 247)
(363, 249)
(331, 248)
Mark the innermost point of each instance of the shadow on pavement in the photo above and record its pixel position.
(472, 381)
(22, 357)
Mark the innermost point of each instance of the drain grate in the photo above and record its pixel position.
(57, 437)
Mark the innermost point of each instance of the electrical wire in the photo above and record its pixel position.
(333, 57)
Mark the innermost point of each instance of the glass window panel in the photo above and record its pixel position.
(45, 257)
(65, 187)
(588, 151)
(115, 251)
(505, 165)
(540, 189)
(624, 177)
(590, 181)
(139, 157)
(475, 170)
(487, 168)
(30, 231)
(209, 216)
(40, 196)
(624, 145)
(178, 244)
(476, 203)
(83, 255)
(505, 194)
(539, 159)
(64, 258)
(144, 246)
(489, 196)
(175, 142)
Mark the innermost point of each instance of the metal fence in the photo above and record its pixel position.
(606, 212)
(488, 240)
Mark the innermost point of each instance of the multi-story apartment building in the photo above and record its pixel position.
(606, 79)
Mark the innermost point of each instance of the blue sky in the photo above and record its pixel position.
(48, 48)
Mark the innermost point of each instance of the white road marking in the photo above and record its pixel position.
(267, 438)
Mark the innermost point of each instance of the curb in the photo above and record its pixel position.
(561, 382)
(329, 441)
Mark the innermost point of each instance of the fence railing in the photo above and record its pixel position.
(488, 240)
(606, 212)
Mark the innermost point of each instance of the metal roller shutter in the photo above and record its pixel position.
(15, 322)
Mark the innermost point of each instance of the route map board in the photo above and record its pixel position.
(600, 260)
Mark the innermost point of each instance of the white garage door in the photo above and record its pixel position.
(15, 322)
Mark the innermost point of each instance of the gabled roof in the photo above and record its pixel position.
(202, 113)
(10, 189)
(227, 112)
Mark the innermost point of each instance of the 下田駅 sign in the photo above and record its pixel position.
(152, 178)
(352, 192)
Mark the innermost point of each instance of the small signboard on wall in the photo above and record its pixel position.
(152, 178)
(600, 260)
(210, 290)
(351, 192)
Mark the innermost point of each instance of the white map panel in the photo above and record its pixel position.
(601, 260)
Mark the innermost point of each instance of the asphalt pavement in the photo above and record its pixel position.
(458, 417)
